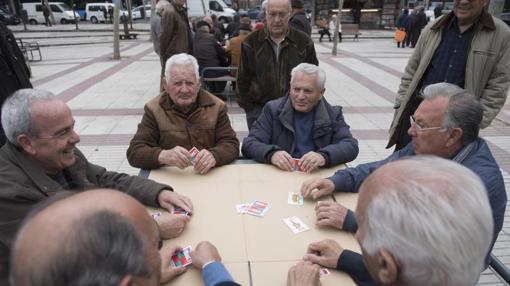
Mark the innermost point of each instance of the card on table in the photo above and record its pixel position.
(324, 272)
(181, 211)
(297, 166)
(258, 208)
(295, 199)
(181, 258)
(295, 224)
(242, 208)
(193, 152)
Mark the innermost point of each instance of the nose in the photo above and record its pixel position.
(74, 138)
(412, 131)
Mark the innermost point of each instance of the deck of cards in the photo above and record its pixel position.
(193, 153)
(295, 224)
(295, 199)
(180, 211)
(297, 166)
(257, 208)
(181, 258)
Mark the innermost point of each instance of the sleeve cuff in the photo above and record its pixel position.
(349, 262)
(350, 223)
(326, 158)
(215, 273)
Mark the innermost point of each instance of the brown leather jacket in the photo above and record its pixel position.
(261, 76)
(163, 127)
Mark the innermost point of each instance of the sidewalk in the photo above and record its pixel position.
(107, 99)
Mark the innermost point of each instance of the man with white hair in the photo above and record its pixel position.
(180, 118)
(446, 124)
(423, 221)
(301, 125)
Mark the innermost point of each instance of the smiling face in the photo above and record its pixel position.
(304, 93)
(468, 10)
(183, 85)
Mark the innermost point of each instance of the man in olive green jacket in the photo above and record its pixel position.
(487, 64)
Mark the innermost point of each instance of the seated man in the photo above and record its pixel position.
(301, 125)
(40, 159)
(423, 221)
(446, 124)
(104, 238)
(183, 117)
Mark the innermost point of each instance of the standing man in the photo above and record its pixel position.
(175, 35)
(267, 57)
(298, 20)
(46, 13)
(156, 25)
(467, 47)
(15, 72)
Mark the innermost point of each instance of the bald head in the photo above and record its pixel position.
(93, 237)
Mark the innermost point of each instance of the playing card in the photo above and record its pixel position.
(297, 166)
(193, 152)
(242, 208)
(324, 272)
(181, 258)
(295, 224)
(295, 199)
(181, 211)
(258, 208)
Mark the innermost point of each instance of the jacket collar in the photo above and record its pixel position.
(485, 21)
(290, 36)
(203, 100)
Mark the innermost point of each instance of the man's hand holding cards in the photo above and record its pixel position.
(181, 257)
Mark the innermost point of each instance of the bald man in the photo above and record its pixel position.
(104, 237)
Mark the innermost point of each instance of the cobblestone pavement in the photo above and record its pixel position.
(107, 96)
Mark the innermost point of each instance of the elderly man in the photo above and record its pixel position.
(183, 117)
(104, 238)
(446, 124)
(423, 221)
(469, 48)
(301, 125)
(40, 159)
(267, 57)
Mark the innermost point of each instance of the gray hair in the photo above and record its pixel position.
(435, 219)
(17, 112)
(102, 249)
(463, 110)
(310, 69)
(181, 60)
(267, 5)
(162, 5)
(263, 6)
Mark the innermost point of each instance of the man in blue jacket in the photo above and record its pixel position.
(446, 124)
(302, 125)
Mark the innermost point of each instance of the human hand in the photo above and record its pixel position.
(168, 273)
(330, 214)
(204, 252)
(325, 253)
(171, 225)
(316, 188)
(204, 161)
(169, 200)
(282, 160)
(312, 161)
(177, 156)
(304, 273)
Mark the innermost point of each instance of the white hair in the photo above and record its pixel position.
(182, 59)
(17, 112)
(434, 217)
(310, 69)
(162, 5)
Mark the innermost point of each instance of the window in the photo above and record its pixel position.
(93, 8)
(55, 9)
(38, 8)
(213, 5)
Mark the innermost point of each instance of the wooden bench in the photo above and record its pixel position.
(351, 29)
(128, 36)
(29, 48)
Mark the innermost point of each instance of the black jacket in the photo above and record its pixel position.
(300, 22)
(208, 52)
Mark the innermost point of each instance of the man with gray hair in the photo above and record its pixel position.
(424, 221)
(446, 125)
(301, 125)
(40, 160)
(180, 118)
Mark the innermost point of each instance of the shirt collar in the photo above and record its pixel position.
(484, 20)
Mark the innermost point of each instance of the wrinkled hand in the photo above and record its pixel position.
(316, 188)
(177, 156)
(169, 200)
(167, 272)
(282, 160)
(312, 161)
(325, 253)
(304, 273)
(203, 253)
(330, 214)
(171, 225)
(204, 161)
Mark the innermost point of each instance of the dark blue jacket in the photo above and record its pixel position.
(479, 160)
(273, 131)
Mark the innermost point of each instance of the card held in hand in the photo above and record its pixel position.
(193, 153)
(181, 258)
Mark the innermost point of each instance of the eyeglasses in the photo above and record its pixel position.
(61, 134)
(420, 128)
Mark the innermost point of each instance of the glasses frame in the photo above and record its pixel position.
(421, 129)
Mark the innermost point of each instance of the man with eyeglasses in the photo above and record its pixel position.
(40, 160)
(267, 57)
(445, 124)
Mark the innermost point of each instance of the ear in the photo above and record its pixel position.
(127, 280)
(455, 137)
(322, 92)
(26, 144)
(164, 83)
(387, 267)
